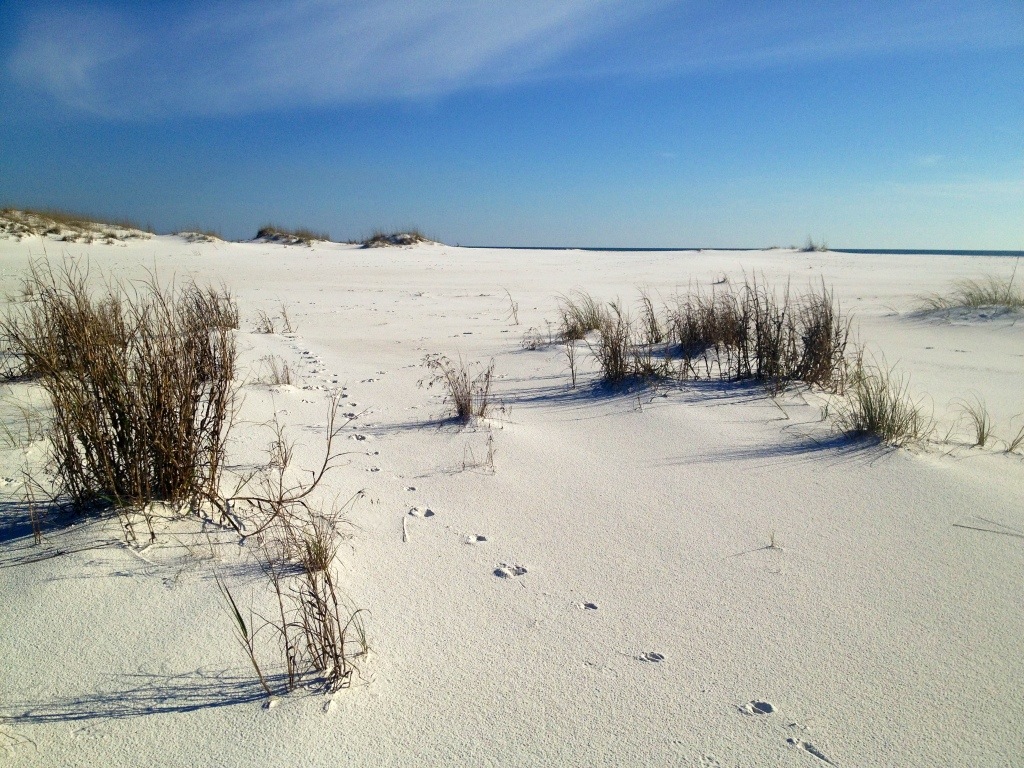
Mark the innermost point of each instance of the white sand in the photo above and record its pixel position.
(879, 630)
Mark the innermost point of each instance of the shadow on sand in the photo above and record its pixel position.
(142, 694)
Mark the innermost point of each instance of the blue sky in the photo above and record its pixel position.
(538, 122)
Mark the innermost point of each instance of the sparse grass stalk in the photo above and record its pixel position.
(1016, 442)
(980, 420)
(278, 371)
(468, 394)
(513, 308)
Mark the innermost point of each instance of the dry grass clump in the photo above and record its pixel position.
(754, 333)
(989, 291)
(267, 324)
(615, 345)
(278, 372)
(879, 405)
(67, 226)
(733, 334)
(468, 393)
(140, 380)
(381, 239)
(579, 314)
(315, 633)
(272, 233)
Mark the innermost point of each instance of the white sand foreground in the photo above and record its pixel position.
(885, 626)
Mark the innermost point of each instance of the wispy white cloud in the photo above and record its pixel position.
(233, 57)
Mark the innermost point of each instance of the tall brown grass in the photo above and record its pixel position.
(734, 334)
(141, 383)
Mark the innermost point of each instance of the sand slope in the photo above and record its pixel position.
(882, 628)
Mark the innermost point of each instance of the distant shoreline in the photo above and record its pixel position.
(882, 251)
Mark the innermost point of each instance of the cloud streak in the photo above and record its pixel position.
(227, 58)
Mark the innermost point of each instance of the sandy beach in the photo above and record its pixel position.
(684, 574)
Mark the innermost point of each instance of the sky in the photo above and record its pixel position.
(633, 123)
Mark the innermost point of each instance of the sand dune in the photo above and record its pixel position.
(692, 575)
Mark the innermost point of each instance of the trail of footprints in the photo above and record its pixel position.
(502, 570)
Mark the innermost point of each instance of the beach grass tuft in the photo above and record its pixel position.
(979, 419)
(879, 405)
(988, 291)
(467, 392)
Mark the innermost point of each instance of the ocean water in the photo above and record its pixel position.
(883, 251)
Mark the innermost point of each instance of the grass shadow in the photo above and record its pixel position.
(140, 695)
(804, 448)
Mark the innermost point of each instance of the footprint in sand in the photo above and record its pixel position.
(476, 539)
(756, 708)
(421, 512)
(358, 437)
(506, 571)
(651, 656)
(589, 607)
(410, 487)
(373, 469)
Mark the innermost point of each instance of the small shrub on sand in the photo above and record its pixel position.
(879, 405)
(141, 386)
(469, 394)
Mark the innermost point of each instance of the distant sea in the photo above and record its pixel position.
(884, 251)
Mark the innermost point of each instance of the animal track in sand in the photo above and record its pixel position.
(476, 539)
(410, 487)
(421, 512)
(506, 571)
(651, 656)
(589, 607)
(756, 708)
(373, 469)
(809, 748)
(358, 437)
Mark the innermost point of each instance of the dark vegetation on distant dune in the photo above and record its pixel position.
(68, 226)
(380, 239)
(272, 233)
